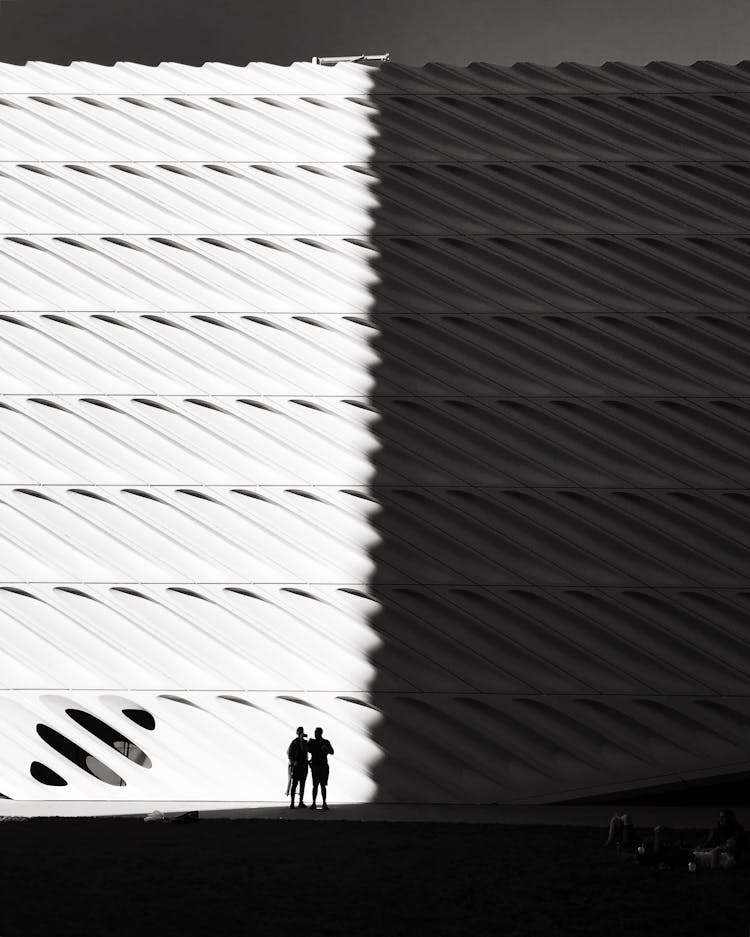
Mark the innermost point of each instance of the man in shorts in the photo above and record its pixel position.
(319, 749)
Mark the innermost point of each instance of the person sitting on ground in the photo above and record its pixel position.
(723, 847)
(662, 849)
(622, 834)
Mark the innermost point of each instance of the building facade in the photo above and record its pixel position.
(410, 403)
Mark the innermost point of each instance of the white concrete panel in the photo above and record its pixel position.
(175, 361)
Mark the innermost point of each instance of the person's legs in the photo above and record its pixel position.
(616, 829)
(324, 786)
(661, 840)
(727, 860)
(294, 790)
(315, 786)
(629, 836)
(707, 858)
(302, 779)
(614, 834)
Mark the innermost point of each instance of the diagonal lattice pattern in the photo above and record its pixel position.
(410, 402)
(578, 229)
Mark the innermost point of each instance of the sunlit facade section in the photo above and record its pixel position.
(185, 438)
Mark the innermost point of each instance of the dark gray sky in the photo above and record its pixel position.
(413, 31)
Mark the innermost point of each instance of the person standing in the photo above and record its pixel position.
(297, 755)
(319, 749)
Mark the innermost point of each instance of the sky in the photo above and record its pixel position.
(413, 31)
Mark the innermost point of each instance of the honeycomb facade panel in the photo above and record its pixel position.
(409, 402)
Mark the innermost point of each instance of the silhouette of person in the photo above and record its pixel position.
(723, 847)
(622, 833)
(297, 755)
(319, 749)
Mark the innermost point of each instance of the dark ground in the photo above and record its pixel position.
(274, 877)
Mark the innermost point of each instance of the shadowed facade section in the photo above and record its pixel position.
(564, 354)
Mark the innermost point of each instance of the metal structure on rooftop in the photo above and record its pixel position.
(363, 59)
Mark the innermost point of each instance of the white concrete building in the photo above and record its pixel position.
(410, 403)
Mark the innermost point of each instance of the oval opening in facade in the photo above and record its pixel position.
(141, 717)
(105, 733)
(45, 775)
(78, 756)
